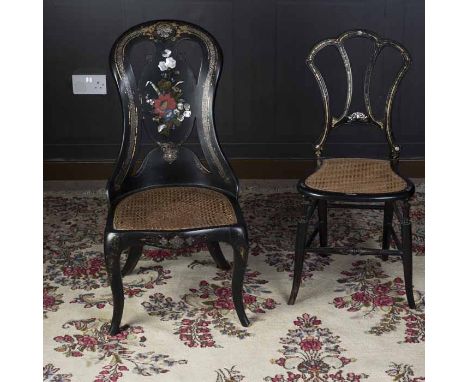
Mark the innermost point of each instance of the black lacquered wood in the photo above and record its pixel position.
(134, 254)
(313, 235)
(165, 102)
(355, 251)
(407, 257)
(218, 257)
(356, 206)
(395, 238)
(366, 116)
(300, 250)
(394, 203)
(323, 222)
(170, 162)
(387, 227)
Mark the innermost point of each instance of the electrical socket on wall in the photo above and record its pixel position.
(89, 84)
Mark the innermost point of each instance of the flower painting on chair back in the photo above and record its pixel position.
(164, 99)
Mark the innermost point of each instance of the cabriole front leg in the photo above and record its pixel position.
(112, 252)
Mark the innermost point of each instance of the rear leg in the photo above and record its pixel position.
(387, 226)
(240, 265)
(323, 224)
(217, 255)
(134, 254)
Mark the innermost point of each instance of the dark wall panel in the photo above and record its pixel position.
(268, 104)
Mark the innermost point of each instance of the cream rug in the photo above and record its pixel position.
(350, 321)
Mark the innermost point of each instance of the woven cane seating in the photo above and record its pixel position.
(174, 208)
(356, 176)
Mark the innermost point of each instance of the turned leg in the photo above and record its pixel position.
(323, 224)
(240, 264)
(134, 254)
(112, 252)
(387, 225)
(407, 257)
(301, 236)
(217, 255)
(323, 228)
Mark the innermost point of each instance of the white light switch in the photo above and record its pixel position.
(89, 84)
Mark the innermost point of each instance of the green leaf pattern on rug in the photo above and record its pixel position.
(229, 375)
(51, 374)
(403, 373)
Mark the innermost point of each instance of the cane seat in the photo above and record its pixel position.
(356, 176)
(173, 208)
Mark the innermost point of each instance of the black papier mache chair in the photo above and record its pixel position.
(172, 198)
(353, 182)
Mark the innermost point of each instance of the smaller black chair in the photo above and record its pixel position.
(167, 72)
(357, 182)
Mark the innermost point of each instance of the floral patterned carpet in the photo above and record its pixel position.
(350, 322)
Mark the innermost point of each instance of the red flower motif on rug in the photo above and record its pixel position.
(313, 353)
(77, 270)
(50, 300)
(210, 306)
(116, 353)
(74, 271)
(157, 275)
(370, 290)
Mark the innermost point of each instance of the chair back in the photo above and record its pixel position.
(366, 116)
(167, 73)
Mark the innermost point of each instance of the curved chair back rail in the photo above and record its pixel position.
(164, 101)
(368, 116)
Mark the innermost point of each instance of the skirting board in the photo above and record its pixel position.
(243, 168)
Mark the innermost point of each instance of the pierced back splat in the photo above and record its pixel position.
(172, 94)
(368, 115)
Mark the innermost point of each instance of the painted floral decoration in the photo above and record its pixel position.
(369, 290)
(403, 373)
(114, 354)
(210, 306)
(229, 375)
(51, 374)
(168, 107)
